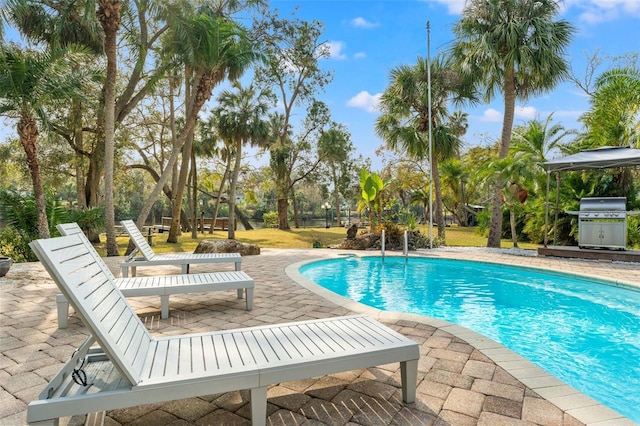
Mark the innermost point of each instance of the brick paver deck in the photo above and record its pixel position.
(464, 378)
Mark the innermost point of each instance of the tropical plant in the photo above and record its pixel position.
(334, 150)
(372, 185)
(516, 172)
(514, 47)
(406, 112)
(241, 119)
(216, 49)
(30, 81)
(18, 210)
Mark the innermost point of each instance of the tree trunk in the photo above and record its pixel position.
(223, 181)
(294, 203)
(495, 231)
(181, 183)
(243, 219)
(109, 16)
(336, 195)
(512, 219)
(283, 213)
(95, 173)
(231, 232)
(78, 143)
(203, 93)
(282, 194)
(194, 197)
(438, 190)
(28, 132)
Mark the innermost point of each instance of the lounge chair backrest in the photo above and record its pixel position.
(138, 239)
(73, 228)
(73, 263)
(70, 228)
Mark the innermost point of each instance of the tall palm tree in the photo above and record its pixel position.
(613, 120)
(334, 149)
(514, 47)
(108, 15)
(539, 139)
(241, 117)
(217, 49)
(29, 82)
(404, 122)
(613, 117)
(517, 172)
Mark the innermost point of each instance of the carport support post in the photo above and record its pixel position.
(546, 211)
(555, 223)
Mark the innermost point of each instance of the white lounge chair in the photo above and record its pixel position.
(132, 368)
(149, 258)
(164, 285)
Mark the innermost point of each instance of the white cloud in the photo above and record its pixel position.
(360, 22)
(454, 7)
(335, 49)
(491, 116)
(360, 55)
(366, 101)
(596, 11)
(526, 112)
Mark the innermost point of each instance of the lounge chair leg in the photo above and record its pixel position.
(63, 310)
(124, 271)
(240, 291)
(164, 306)
(239, 266)
(249, 299)
(185, 268)
(259, 406)
(409, 375)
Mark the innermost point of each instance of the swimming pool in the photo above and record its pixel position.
(581, 331)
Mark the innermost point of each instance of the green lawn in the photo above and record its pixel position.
(302, 238)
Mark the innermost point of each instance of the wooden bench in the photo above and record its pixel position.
(163, 285)
(132, 368)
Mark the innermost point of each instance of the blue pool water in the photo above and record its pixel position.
(583, 332)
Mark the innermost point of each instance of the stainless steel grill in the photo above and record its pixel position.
(602, 222)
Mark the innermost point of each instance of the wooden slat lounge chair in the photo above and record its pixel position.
(149, 258)
(132, 368)
(164, 285)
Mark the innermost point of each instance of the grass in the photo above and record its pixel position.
(301, 238)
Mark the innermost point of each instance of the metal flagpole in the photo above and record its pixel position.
(430, 144)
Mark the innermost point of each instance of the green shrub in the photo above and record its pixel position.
(270, 219)
(14, 243)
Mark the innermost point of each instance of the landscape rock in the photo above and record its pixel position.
(227, 246)
(361, 242)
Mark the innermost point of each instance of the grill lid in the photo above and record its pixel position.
(601, 204)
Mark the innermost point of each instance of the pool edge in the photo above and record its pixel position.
(568, 399)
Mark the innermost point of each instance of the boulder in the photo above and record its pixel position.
(361, 242)
(227, 246)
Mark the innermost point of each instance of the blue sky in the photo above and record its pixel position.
(369, 38)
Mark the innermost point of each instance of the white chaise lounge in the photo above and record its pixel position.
(163, 285)
(149, 258)
(132, 368)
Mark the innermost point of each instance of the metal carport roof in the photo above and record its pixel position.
(600, 158)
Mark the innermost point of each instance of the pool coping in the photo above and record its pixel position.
(568, 399)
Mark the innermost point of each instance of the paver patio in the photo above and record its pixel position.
(464, 378)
